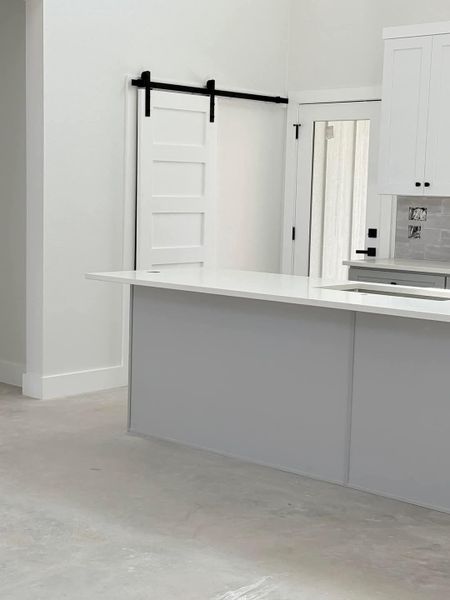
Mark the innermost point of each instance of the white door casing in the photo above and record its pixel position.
(296, 254)
(176, 182)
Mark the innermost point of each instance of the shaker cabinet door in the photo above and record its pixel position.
(406, 84)
(437, 171)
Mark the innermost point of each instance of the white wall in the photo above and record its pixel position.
(76, 200)
(337, 44)
(89, 48)
(251, 164)
(12, 190)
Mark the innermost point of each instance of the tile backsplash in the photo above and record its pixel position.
(423, 228)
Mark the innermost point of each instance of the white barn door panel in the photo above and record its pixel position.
(176, 182)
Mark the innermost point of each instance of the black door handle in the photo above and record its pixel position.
(370, 251)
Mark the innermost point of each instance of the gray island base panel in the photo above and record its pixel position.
(262, 381)
(353, 398)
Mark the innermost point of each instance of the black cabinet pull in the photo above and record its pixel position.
(418, 184)
(427, 184)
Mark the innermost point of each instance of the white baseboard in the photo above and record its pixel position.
(32, 385)
(11, 373)
(46, 387)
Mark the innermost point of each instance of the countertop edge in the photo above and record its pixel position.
(296, 300)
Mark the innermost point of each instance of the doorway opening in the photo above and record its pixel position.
(336, 202)
(338, 195)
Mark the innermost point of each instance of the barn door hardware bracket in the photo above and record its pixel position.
(211, 86)
(145, 82)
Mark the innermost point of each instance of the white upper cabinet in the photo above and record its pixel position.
(437, 165)
(406, 84)
(415, 129)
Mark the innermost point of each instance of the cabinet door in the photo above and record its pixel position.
(437, 172)
(406, 83)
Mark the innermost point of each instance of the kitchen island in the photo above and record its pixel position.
(345, 386)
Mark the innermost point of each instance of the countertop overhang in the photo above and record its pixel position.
(288, 289)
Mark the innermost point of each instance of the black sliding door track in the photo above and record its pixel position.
(145, 82)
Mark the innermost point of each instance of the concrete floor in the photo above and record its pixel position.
(89, 512)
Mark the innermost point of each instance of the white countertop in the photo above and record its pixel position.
(402, 264)
(288, 289)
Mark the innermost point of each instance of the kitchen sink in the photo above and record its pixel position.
(388, 290)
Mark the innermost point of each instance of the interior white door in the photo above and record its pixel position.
(176, 182)
(437, 172)
(336, 200)
(406, 85)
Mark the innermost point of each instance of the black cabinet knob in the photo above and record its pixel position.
(418, 184)
(427, 184)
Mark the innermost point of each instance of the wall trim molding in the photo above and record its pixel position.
(361, 94)
(11, 373)
(129, 205)
(47, 387)
(404, 31)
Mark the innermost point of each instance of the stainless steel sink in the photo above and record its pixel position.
(388, 290)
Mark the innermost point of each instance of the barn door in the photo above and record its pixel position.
(176, 182)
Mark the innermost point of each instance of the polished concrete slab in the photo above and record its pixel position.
(90, 512)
